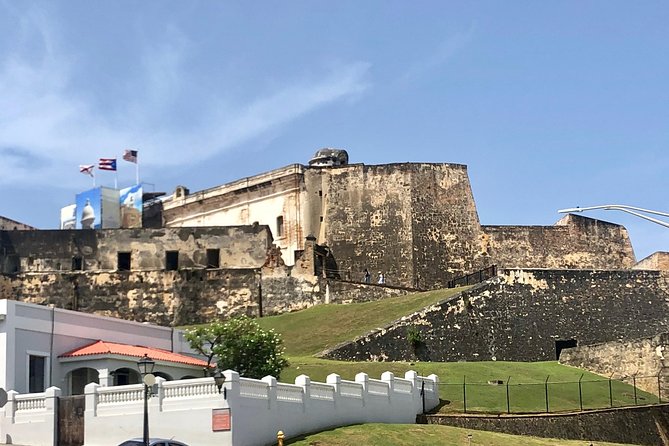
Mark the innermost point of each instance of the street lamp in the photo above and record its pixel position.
(623, 208)
(219, 379)
(145, 366)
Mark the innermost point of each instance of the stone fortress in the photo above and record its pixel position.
(302, 235)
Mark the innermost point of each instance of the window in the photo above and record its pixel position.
(279, 226)
(213, 258)
(171, 260)
(123, 261)
(77, 263)
(36, 373)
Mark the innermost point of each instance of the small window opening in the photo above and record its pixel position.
(320, 193)
(36, 373)
(321, 218)
(77, 263)
(213, 258)
(171, 260)
(123, 261)
(562, 344)
(279, 226)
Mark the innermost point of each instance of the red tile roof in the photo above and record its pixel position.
(137, 351)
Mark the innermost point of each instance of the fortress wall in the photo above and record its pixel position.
(407, 220)
(367, 219)
(655, 261)
(7, 224)
(574, 242)
(43, 251)
(445, 224)
(520, 315)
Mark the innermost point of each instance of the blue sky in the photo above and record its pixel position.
(550, 104)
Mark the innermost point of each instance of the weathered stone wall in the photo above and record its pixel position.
(644, 358)
(262, 198)
(655, 261)
(573, 242)
(7, 224)
(631, 425)
(521, 314)
(342, 292)
(407, 220)
(53, 250)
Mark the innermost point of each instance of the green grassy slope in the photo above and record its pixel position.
(309, 331)
(423, 435)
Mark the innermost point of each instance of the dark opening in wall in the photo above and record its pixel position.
(213, 258)
(279, 226)
(562, 344)
(77, 263)
(171, 260)
(123, 263)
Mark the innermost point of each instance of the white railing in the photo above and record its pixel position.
(350, 389)
(289, 392)
(375, 387)
(192, 388)
(31, 402)
(322, 392)
(253, 388)
(181, 409)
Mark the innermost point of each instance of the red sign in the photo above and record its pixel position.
(220, 420)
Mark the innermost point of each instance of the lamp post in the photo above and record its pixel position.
(219, 379)
(623, 208)
(145, 366)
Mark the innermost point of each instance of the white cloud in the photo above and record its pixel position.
(48, 127)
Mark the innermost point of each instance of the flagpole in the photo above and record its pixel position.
(137, 171)
(116, 178)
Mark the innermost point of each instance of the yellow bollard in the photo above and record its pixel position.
(279, 438)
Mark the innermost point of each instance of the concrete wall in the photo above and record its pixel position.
(573, 242)
(262, 198)
(522, 315)
(183, 410)
(631, 425)
(40, 251)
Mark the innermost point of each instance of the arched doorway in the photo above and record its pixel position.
(125, 376)
(80, 377)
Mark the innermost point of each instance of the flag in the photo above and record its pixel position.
(107, 164)
(130, 155)
(87, 169)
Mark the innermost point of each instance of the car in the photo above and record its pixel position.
(153, 442)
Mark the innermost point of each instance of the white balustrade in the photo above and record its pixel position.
(30, 402)
(289, 392)
(322, 391)
(253, 388)
(376, 387)
(350, 389)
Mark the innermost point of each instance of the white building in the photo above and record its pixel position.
(42, 347)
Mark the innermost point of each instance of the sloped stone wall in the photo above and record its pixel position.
(523, 315)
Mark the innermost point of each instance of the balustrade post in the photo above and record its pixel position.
(412, 376)
(10, 407)
(363, 379)
(271, 390)
(305, 382)
(389, 377)
(231, 385)
(335, 381)
(92, 399)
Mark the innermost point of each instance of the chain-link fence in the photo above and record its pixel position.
(508, 396)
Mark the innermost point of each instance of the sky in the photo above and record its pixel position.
(551, 105)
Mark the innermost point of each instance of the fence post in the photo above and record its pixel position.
(580, 393)
(659, 389)
(634, 384)
(508, 404)
(610, 391)
(464, 393)
(422, 394)
(546, 388)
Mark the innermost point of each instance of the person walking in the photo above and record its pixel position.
(367, 276)
(382, 278)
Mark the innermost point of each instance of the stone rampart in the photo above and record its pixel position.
(573, 242)
(525, 315)
(648, 425)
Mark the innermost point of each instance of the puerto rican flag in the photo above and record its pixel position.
(107, 164)
(87, 169)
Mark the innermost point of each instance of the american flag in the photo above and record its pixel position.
(107, 164)
(130, 155)
(87, 169)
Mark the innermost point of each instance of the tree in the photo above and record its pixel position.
(240, 344)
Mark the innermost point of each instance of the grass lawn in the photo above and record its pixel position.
(309, 331)
(422, 435)
(527, 392)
